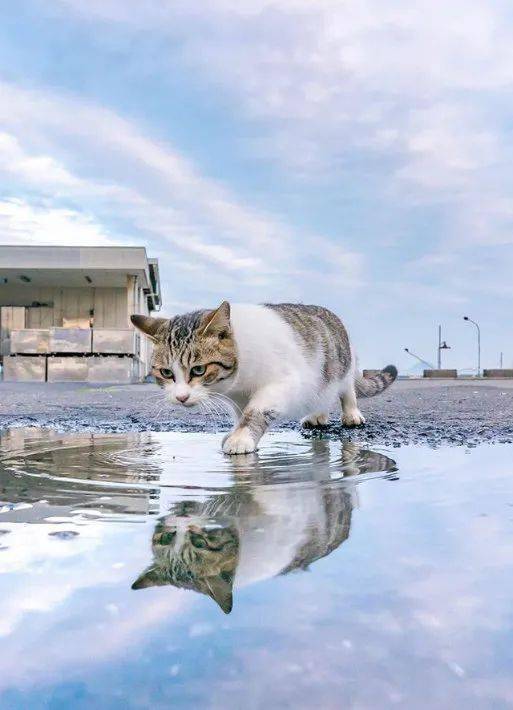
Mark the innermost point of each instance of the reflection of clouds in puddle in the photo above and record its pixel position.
(417, 597)
(58, 568)
(67, 603)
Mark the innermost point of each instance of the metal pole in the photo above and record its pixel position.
(439, 347)
(478, 350)
(501, 360)
(478, 344)
(424, 362)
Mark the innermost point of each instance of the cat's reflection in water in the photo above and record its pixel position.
(257, 531)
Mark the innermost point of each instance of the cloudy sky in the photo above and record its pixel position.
(356, 154)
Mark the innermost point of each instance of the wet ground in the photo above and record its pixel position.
(430, 412)
(147, 570)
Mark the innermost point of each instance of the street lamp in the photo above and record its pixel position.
(478, 344)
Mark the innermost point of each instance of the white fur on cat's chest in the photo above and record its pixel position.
(269, 541)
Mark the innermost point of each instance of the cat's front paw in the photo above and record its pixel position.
(353, 418)
(314, 421)
(239, 442)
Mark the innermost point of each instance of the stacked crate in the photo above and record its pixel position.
(72, 355)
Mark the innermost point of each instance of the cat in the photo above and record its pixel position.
(259, 528)
(270, 361)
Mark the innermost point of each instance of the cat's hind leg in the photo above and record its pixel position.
(312, 421)
(351, 415)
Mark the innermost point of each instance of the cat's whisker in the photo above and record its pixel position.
(219, 411)
(229, 404)
(209, 410)
(157, 393)
(152, 407)
(156, 401)
(157, 413)
(219, 407)
(204, 408)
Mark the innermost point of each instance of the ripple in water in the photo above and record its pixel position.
(244, 517)
(117, 472)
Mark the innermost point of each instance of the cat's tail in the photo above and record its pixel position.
(368, 386)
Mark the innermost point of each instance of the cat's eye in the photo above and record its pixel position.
(198, 370)
(167, 538)
(166, 373)
(214, 535)
(198, 540)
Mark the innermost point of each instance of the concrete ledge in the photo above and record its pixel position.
(31, 368)
(107, 368)
(498, 374)
(112, 369)
(32, 341)
(114, 341)
(443, 374)
(67, 369)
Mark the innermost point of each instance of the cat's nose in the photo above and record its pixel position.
(182, 397)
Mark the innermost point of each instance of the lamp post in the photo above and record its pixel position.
(478, 343)
(441, 346)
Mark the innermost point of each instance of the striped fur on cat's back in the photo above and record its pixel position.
(270, 361)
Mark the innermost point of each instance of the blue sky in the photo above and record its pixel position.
(352, 154)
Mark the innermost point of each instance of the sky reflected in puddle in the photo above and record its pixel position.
(149, 570)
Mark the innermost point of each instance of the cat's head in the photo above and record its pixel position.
(195, 556)
(193, 354)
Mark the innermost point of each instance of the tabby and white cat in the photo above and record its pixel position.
(254, 532)
(272, 361)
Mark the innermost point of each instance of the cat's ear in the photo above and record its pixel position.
(148, 578)
(219, 588)
(217, 321)
(148, 325)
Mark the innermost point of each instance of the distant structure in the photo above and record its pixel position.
(64, 313)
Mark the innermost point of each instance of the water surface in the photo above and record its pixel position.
(149, 570)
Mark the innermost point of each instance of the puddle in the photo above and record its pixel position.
(149, 570)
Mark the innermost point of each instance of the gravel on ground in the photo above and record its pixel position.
(434, 412)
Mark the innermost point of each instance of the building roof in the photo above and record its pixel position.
(79, 266)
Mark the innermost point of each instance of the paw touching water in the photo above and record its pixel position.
(239, 442)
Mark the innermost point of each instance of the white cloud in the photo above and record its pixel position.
(59, 571)
(410, 84)
(23, 223)
(130, 187)
(41, 171)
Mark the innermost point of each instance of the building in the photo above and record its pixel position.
(64, 313)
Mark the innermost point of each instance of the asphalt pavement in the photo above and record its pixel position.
(434, 412)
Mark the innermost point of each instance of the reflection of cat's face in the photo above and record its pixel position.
(192, 556)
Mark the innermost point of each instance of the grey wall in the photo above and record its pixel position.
(69, 307)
